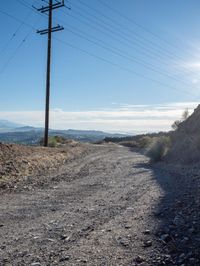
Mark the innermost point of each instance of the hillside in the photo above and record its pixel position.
(185, 141)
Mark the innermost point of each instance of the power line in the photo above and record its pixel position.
(105, 60)
(114, 35)
(22, 23)
(15, 52)
(137, 37)
(128, 57)
(32, 8)
(16, 19)
(15, 33)
(145, 50)
(140, 26)
(121, 67)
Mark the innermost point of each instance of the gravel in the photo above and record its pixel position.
(108, 207)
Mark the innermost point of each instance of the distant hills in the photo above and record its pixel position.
(15, 133)
(6, 125)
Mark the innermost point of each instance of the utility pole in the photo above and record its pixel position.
(49, 8)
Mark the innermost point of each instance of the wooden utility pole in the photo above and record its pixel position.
(49, 31)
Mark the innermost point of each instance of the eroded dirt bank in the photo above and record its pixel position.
(19, 163)
(106, 208)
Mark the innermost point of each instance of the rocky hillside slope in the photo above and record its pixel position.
(185, 147)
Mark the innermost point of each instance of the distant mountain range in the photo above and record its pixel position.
(6, 125)
(16, 133)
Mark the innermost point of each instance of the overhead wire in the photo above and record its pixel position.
(13, 35)
(16, 19)
(126, 56)
(98, 57)
(137, 38)
(114, 35)
(141, 26)
(22, 23)
(15, 52)
(120, 25)
(23, 3)
(149, 55)
(121, 67)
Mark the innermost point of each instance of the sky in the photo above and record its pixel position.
(119, 66)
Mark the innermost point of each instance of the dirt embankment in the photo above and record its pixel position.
(18, 162)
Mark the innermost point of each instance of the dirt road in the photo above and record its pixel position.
(98, 210)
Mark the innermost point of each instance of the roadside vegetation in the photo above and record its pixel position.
(177, 123)
(56, 141)
(156, 146)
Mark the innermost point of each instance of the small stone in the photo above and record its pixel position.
(191, 230)
(35, 264)
(63, 237)
(122, 241)
(192, 261)
(139, 259)
(66, 258)
(181, 258)
(167, 258)
(83, 260)
(147, 243)
(185, 239)
(146, 232)
(157, 213)
(178, 220)
(127, 226)
(130, 209)
(165, 237)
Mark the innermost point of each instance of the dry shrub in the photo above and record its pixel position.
(144, 142)
(131, 144)
(158, 148)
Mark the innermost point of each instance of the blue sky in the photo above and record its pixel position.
(105, 63)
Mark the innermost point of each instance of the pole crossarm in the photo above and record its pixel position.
(54, 29)
(53, 6)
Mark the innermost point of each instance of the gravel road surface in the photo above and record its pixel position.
(97, 210)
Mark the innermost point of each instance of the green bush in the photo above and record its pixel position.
(60, 139)
(158, 148)
(53, 142)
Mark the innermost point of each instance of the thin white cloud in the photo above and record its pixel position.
(192, 65)
(191, 69)
(119, 118)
